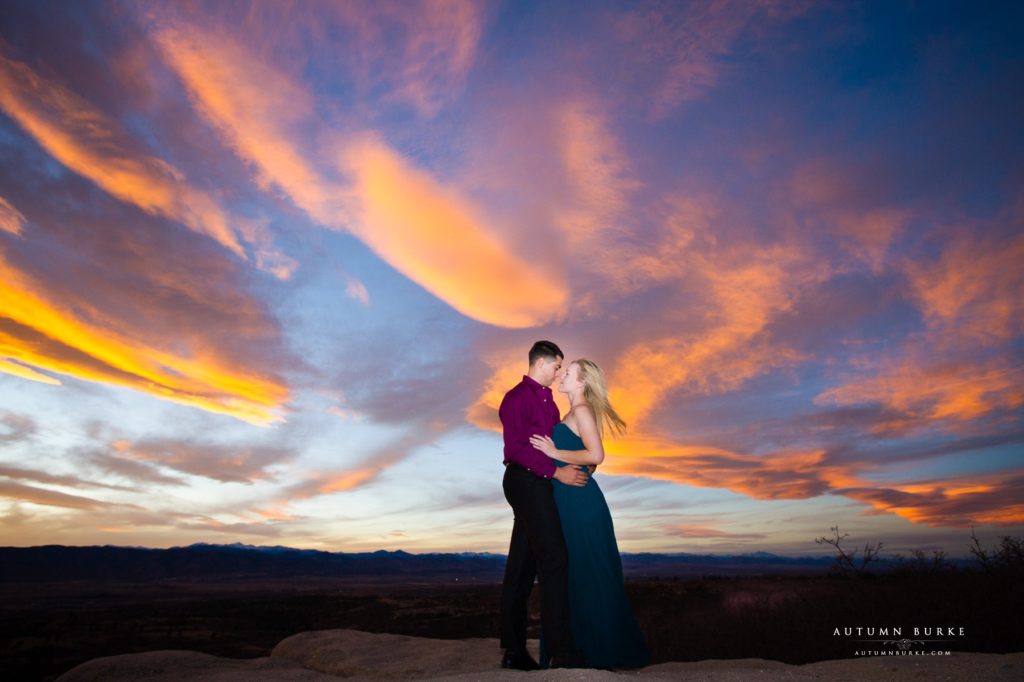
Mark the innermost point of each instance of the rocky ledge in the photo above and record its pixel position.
(356, 655)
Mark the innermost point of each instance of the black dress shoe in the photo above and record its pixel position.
(568, 661)
(518, 660)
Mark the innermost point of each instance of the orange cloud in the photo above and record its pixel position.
(321, 483)
(974, 292)
(420, 227)
(929, 392)
(869, 234)
(25, 372)
(836, 197)
(598, 173)
(557, 183)
(245, 100)
(591, 207)
(805, 474)
(436, 239)
(742, 294)
(41, 333)
(506, 372)
(11, 219)
(780, 475)
(958, 369)
(961, 503)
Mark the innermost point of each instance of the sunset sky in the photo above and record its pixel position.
(266, 269)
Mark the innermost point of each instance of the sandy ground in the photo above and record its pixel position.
(356, 655)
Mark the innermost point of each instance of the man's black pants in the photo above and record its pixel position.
(537, 549)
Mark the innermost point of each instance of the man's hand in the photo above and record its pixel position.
(572, 475)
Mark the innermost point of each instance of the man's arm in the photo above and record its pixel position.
(517, 426)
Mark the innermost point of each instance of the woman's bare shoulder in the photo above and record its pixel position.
(582, 411)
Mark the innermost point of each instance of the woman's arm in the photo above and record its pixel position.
(593, 449)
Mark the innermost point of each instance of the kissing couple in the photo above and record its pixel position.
(563, 532)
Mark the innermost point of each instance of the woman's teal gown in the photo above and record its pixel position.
(603, 626)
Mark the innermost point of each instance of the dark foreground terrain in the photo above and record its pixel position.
(48, 627)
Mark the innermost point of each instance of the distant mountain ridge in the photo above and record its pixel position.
(238, 561)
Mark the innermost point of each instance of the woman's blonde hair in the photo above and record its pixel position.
(595, 390)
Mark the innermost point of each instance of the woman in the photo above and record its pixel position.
(603, 625)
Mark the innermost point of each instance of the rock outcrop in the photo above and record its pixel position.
(351, 654)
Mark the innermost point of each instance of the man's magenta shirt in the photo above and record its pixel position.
(526, 410)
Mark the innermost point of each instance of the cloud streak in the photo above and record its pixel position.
(961, 503)
(50, 498)
(429, 64)
(679, 51)
(234, 463)
(41, 332)
(17, 427)
(88, 143)
(11, 219)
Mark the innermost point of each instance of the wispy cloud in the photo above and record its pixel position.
(24, 372)
(234, 463)
(973, 293)
(680, 50)
(323, 483)
(598, 173)
(17, 473)
(844, 201)
(142, 473)
(241, 97)
(697, 529)
(422, 52)
(11, 219)
(50, 498)
(16, 427)
(357, 290)
(90, 144)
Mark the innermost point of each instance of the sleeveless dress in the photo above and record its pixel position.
(603, 626)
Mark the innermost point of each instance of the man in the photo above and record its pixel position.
(537, 546)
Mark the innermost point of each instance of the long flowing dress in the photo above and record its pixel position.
(603, 626)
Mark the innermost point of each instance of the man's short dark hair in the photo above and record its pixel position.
(545, 349)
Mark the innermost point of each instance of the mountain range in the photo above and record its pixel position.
(240, 562)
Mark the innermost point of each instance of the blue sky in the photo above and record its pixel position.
(268, 268)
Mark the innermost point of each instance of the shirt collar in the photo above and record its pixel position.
(534, 385)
